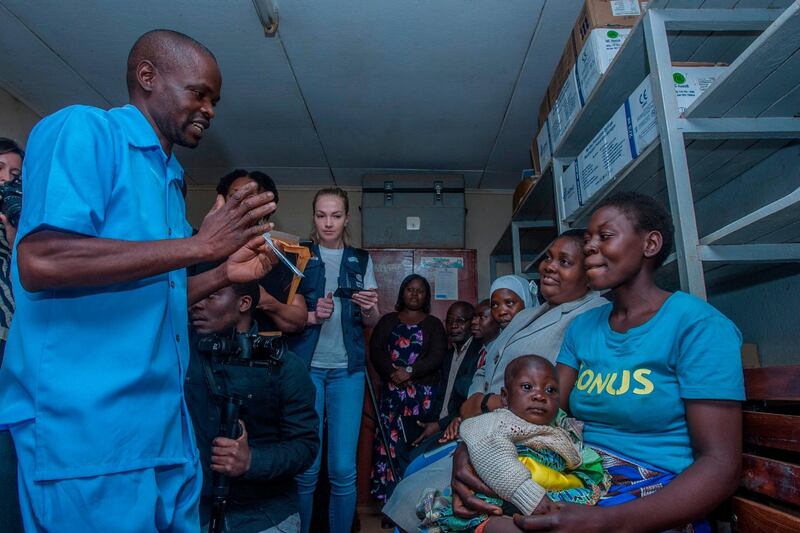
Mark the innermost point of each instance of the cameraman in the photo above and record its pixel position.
(278, 419)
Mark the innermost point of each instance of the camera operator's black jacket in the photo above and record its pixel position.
(282, 427)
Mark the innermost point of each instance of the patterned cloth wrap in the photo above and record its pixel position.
(585, 485)
(632, 480)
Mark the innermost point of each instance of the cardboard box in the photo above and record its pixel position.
(570, 196)
(566, 108)
(544, 110)
(610, 151)
(642, 116)
(605, 14)
(544, 152)
(689, 80)
(596, 55)
(562, 71)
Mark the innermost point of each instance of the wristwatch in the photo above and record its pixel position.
(485, 402)
(409, 370)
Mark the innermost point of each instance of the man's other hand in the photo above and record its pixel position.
(231, 457)
(250, 262)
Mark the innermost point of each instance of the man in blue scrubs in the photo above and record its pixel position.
(92, 383)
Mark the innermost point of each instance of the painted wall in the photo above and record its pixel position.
(487, 216)
(16, 119)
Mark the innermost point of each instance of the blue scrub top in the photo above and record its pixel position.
(100, 371)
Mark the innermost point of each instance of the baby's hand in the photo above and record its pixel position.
(545, 506)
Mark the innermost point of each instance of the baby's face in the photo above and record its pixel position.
(533, 394)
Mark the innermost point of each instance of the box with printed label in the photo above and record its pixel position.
(642, 115)
(605, 156)
(597, 54)
(544, 153)
(570, 199)
(689, 83)
(605, 14)
(564, 111)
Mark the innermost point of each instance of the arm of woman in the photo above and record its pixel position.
(715, 429)
(436, 350)
(289, 317)
(378, 354)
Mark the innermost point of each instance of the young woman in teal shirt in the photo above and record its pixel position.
(655, 377)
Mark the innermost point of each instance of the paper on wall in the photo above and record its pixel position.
(445, 284)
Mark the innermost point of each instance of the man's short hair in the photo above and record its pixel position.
(10, 146)
(250, 289)
(166, 49)
(466, 306)
(263, 180)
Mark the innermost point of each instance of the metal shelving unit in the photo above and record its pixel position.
(531, 228)
(748, 114)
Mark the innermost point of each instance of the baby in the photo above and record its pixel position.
(529, 453)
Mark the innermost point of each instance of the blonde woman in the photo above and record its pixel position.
(340, 291)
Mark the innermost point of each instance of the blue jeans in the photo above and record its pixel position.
(340, 397)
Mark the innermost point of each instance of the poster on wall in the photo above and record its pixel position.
(445, 278)
(445, 284)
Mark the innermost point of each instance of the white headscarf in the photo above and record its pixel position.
(520, 286)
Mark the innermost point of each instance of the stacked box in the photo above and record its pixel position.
(544, 153)
(605, 155)
(570, 195)
(632, 129)
(544, 110)
(565, 110)
(605, 14)
(565, 66)
(596, 56)
(690, 82)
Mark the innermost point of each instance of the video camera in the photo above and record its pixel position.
(246, 349)
(11, 200)
(241, 349)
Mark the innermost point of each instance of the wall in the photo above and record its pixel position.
(16, 119)
(488, 213)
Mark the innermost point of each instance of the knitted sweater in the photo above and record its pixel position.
(491, 440)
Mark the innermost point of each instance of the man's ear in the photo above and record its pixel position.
(146, 75)
(245, 304)
(504, 396)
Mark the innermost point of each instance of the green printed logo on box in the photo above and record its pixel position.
(612, 34)
(679, 78)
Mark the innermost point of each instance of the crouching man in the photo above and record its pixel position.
(277, 427)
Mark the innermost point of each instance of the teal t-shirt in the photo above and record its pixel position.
(631, 386)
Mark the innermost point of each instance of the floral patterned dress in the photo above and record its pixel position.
(411, 400)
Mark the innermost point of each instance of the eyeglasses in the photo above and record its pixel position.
(460, 321)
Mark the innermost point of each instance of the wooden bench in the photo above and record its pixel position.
(769, 496)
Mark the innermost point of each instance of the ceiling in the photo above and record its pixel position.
(347, 88)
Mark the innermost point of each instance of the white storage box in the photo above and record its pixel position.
(593, 61)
